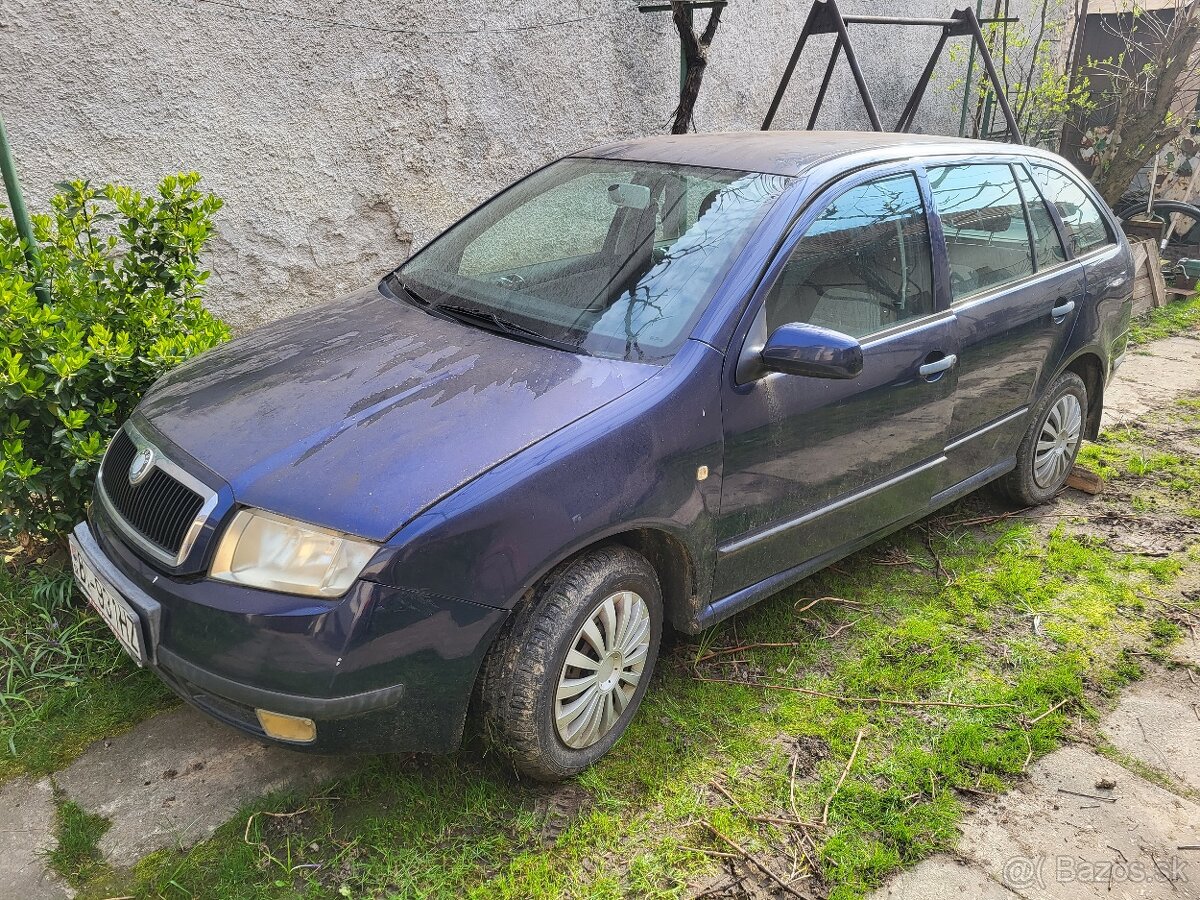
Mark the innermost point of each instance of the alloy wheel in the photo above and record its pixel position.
(602, 669)
(1058, 441)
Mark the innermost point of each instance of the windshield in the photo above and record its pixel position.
(614, 258)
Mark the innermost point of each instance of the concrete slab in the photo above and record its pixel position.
(172, 780)
(1187, 650)
(26, 834)
(943, 877)
(1152, 377)
(1158, 723)
(1048, 845)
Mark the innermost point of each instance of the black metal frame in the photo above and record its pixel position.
(826, 18)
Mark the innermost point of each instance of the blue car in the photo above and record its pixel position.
(644, 387)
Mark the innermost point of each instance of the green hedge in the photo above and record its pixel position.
(124, 278)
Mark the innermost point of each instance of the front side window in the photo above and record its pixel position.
(615, 258)
(983, 220)
(862, 266)
(1085, 223)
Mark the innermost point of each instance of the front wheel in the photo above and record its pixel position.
(1048, 450)
(571, 666)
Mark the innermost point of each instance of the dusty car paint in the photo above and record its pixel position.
(482, 462)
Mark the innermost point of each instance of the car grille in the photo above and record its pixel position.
(160, 508)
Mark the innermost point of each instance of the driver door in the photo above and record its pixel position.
(812, 465)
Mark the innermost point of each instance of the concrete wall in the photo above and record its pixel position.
(338, 148)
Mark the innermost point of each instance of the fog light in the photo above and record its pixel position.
(287, 728)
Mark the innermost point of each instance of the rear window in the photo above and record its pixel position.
(1085, 223)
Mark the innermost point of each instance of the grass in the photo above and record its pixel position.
(1143, 770)
(1172, 319)
(64, 682)
(1028, 630)
(76, 857)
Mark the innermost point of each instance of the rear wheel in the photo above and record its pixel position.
(1048, 450)
(571, 666)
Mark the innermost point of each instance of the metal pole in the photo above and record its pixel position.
(816, 110)
(914, 101)
(8, 171)
(852, 60)
(962, 118)
(791, 67)
(1014, 133)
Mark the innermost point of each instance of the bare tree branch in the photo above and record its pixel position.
(1157, 64)
(695, 56)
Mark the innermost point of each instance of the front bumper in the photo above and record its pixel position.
(381, 670)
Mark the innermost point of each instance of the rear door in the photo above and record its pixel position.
(1094, 244)
(814, 465)
(1015, 297)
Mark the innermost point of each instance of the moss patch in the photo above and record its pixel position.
(77, 856)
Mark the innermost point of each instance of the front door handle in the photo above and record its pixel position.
(938, 366)
(1063, 310)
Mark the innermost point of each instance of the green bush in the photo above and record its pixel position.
(124, 279)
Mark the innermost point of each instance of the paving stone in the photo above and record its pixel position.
(26, 834)
(1158, 723)
(1047, 845)
(943, 877)
(1144, 384)
(1187, 650)
(175, 778)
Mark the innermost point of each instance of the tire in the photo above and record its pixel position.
(1164, 210)
(571, 613)
(1056, 425)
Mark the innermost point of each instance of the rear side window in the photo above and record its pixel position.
(983, 219)
(1084, 221)
(862, 266)
(1046, 244)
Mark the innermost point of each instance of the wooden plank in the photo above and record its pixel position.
(1083, 480)
(1157, 281)
(1149, 289)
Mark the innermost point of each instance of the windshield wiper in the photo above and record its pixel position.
(497, 323)
(422, 302)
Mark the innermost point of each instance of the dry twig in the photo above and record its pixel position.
(250, 821)
(1056, 706)
(845, 772)
(725, 651)
(751, 858)
(841, 628)
(883, 701)
(1088, 796)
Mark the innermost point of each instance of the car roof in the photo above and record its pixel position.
(789, 152)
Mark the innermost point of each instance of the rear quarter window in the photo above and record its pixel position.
(1085, 223)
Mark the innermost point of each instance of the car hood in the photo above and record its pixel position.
(361, 413)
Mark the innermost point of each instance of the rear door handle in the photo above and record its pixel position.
(1063, 310)
(938, 366)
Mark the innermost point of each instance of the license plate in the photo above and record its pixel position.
(112, 608)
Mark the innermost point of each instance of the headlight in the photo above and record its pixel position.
(264, 550)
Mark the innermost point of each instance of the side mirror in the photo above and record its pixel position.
(799, 349)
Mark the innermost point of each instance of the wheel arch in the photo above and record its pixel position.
(1090, 368)
(667, 554)
(672, 562)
